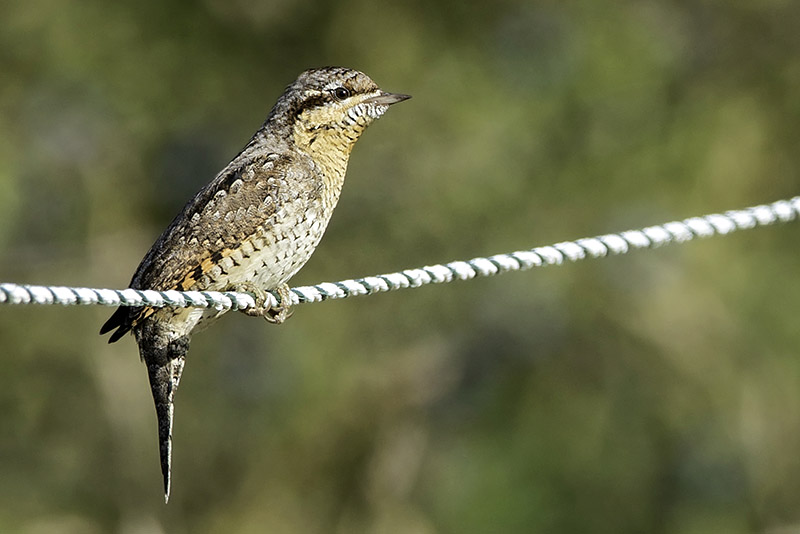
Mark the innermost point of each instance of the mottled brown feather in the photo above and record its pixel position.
(195, 240)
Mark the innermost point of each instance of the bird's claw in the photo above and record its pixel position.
(278, 314)
(273, 314)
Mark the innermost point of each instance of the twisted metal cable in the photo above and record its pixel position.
(651, 237)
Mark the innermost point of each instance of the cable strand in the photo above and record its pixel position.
(705, 226)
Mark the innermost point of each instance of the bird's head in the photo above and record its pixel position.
(327, 109)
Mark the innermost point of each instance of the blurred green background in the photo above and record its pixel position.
(655, 392)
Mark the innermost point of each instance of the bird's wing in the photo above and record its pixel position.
(241, 198)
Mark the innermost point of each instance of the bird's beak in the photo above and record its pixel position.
(386, 99)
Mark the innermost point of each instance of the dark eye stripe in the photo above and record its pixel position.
(312, 102)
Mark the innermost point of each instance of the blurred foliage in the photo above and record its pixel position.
(657, 392)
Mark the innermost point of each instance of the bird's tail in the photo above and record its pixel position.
(164, 367)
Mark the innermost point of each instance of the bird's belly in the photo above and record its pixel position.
(266, 268)
(266, 260)
(271, 258)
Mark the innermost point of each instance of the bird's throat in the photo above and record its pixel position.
(329, 147)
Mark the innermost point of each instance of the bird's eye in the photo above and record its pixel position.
(341, 93)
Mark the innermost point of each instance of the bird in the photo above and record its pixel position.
(252, 227)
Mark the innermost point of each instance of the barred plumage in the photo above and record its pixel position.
(254, 225)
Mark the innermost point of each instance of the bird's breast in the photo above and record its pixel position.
(274, 252)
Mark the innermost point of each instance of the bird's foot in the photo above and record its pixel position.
(283, 310)
(273, 314)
